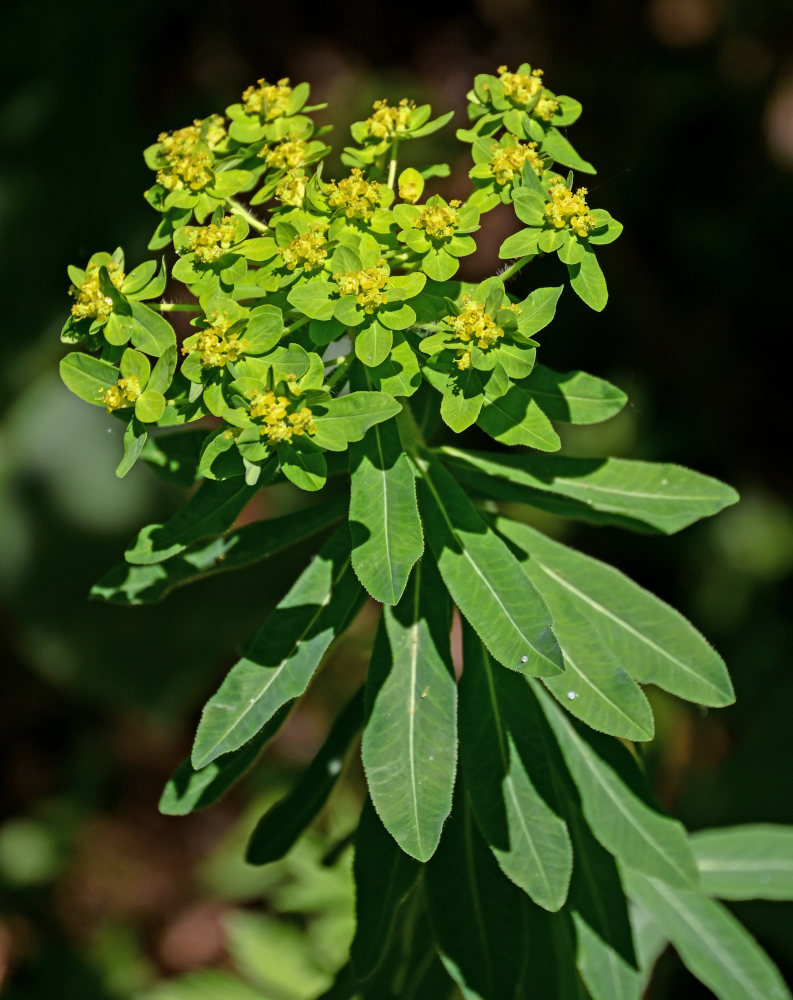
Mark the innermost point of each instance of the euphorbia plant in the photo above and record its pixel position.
(333, 344)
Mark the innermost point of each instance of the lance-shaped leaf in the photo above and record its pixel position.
(134, 439)
(746, 862)
(477, 914)
(627, 825)
(649, 940)
(409, 745)
(348, 418)
(211, 510)
(282, 824)
(384, 875)
(551, 946)
(188, 789)
(484, 578)
(574, 397)
(516, 418)
(637, 495)
(652, 641)
(709, 940)
(284, 654)
(529, 841)
(125, 584)
(88, 377)
(384, 519)
(587, 279)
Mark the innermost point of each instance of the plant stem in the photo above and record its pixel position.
(182, 307)
(343, 365)
(296, 325)
(251, 219)
(392, 165)
(514, 268)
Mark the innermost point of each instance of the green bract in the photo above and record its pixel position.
(319, 320)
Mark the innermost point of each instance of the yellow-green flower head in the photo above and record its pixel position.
(91, 302)
(545, 108)
(123, 393)
(292, 189)
(183, 141)
(567, 209)
(357, 196)
(281, 419)
(508, 160)
(520, 88)
(287, 155)
(473, 326)
(193, 171)
(366, 285)
(388, 121)
(270, 100)
(308, 250)
(209, 243)
(216, 346)
(440, 221)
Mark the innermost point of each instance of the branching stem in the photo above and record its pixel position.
(242, 211)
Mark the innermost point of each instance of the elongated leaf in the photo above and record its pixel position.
(516, 418)
(125, 584)
(620, 491)
(649, 940)
(188, 789)
(551, 970)
(625, 824)
(710, 941)
(384, 875)
(347, 418)
(88, 376)
(284, 654)
(484, 578)
(151, 332)
(528, 840)
(134, 439)
(652, 641)
(477, 914)
(588, 281)
(210, 510)
(746, 862)
(574, 397)
(555, 145)
(409, 747)
(384, 520)
(282, 824)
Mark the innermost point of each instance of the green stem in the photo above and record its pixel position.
(343, 365)
(514, 268)
(296, 325)
(392, 164)
(182, 307)
(241, 210)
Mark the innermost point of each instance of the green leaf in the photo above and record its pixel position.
(384, 520)
(348, 418)
(384, 875)
(538, 309)
(282, 824)
(134, 439)
(314, 298)
(284, 654)
(638, 495)
(710, 941)
(87, 376)
(478, 915)
(635, 832)
(654, 642)
(125, 584)
(520, 244)
(574, 397)
(175, 456)
(163, 371)
(484, 578)
(439, 265)
(529, 841)
(588, 282)
(399, 374)
(516, 418)
(188, 789)
(462, 400)
(409, 747)
(529, 206)
(555, 145)
(745, 862)
(151, 332)
(149, 406)
(373, 343)
(212, 509)
(306, 466)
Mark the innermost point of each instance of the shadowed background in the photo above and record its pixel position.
(688, 116)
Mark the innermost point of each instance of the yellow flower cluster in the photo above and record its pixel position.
(521, 88)
(286, 155)
(183, 141)
(508, 161)
(568, 209)
(208, 243)
(266, 99)
(367, 285)
(387, 120)
(279, 424)
(473, 325)
(192, 171)
(440, 221)
(545, 108)
(308, 250)
(92, 303)
(123, 393)
(216, 345)
(292, 189)
(357, 196)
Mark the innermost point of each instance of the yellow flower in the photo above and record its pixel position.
(439, 221)
(216, 346)
(292, 190)
(367, 285)
(123, 393)
(545, 108)
(269, 100)
(356, 195)
(568, 209)
(387, 120)
(208, 243)
(308, 250)
(287, 155)
(183, 141)
(508, 161)
(192, 171)
(473, 326)
(520, 88)
(91, 301)
(279, 424)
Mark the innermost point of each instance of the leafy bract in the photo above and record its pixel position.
(754, 861)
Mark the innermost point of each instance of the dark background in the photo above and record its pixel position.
(688, 115)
